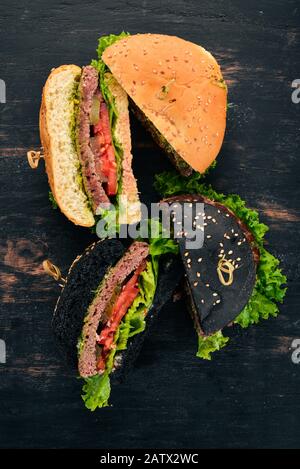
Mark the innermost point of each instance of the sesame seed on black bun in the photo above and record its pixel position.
(220, 274)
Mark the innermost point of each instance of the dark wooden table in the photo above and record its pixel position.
(249, 395)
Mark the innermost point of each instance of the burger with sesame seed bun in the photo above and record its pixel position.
(85, 135)
(177, 90)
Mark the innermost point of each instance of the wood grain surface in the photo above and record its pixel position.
(249, 395)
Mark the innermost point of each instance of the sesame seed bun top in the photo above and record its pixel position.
(179, 86)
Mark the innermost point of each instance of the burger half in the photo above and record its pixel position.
(110, 299)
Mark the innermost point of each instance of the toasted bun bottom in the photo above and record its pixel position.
(62, 163)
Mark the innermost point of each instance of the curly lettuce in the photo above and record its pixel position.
(103, 43)
(210, 343)
(269, 287)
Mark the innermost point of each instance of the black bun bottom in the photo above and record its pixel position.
(214, 302)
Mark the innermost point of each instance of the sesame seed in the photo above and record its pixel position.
(215, 294)
(220, 255)
(221, 244)
(227, 215)
(214, 220)
(232, 230)
(208, 236)
(222, 251)
(195, 284)
(202, 301)
(209, 217)
(218, 301)
(186, 254)
(189, 261)
(200, 259)
(238, 259)
(207, 285)
(230, 252)
(239, 243)
(198, 274)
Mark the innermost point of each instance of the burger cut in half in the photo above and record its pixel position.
(230, 278)
(109, 300)
(85, 134)
(177, 90)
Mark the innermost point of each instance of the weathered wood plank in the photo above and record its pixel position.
(171, 399)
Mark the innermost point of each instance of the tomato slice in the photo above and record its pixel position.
(107, 153)
(128, 294)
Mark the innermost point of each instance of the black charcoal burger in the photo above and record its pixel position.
(109, 300)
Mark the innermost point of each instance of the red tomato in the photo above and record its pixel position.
(128, 294)
(108, 159)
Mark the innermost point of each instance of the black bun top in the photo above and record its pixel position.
(221, 274)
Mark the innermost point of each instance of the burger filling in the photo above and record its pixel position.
(94, 141)
(121, 301)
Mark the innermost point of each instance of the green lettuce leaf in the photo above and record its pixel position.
(209, 344)
(269, 288)
(269, 277)
(96, 390)
(111, 227)
(134, 321)
(258, 307)
(103, 43)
